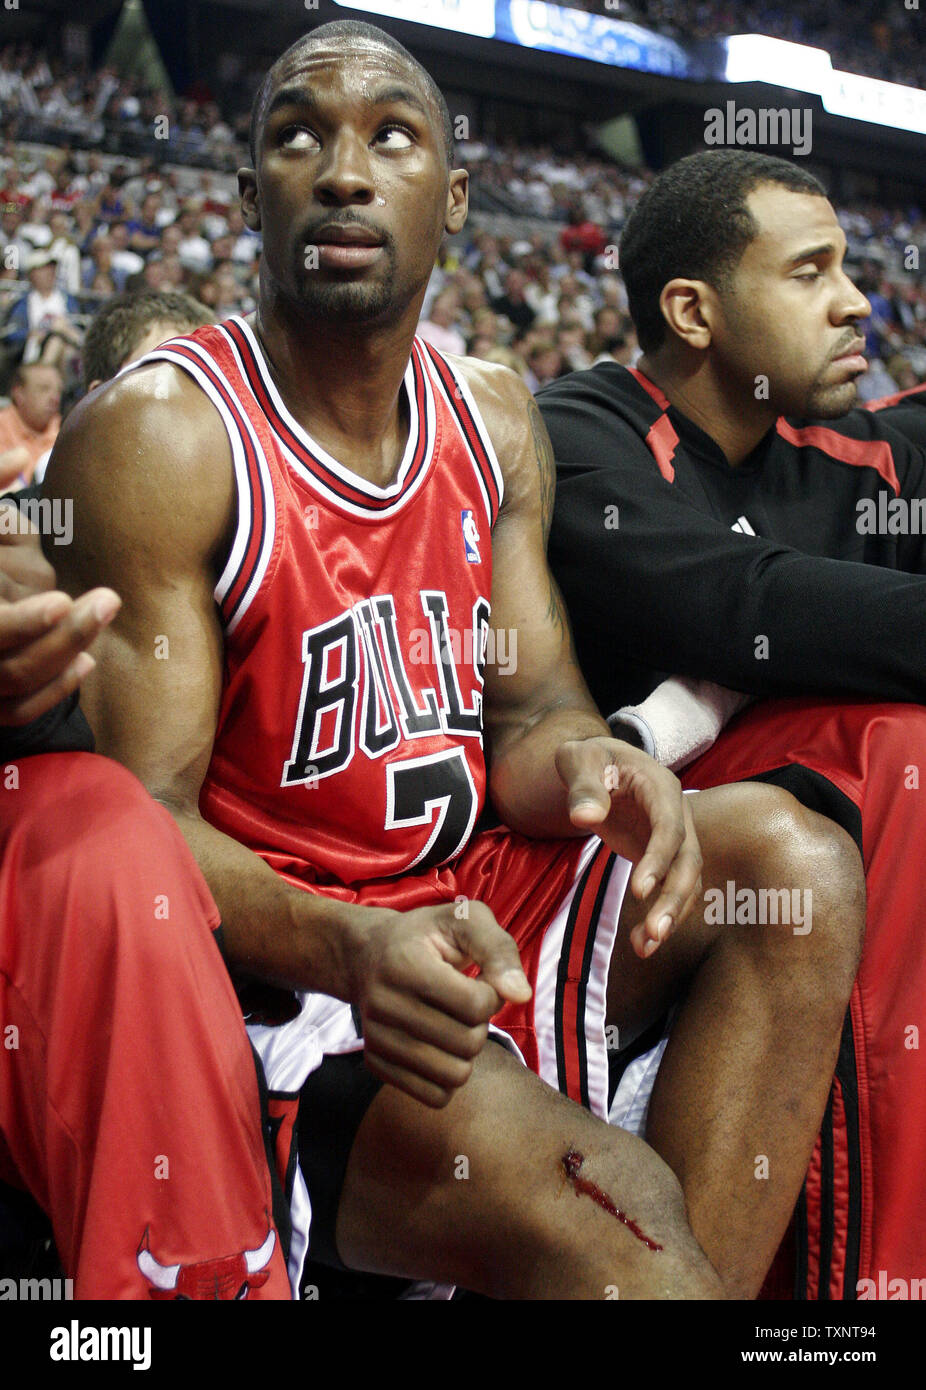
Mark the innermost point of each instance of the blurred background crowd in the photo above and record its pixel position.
(92, 206)
(863, 36)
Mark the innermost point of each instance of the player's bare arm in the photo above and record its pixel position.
(555, 769)
(153, 505)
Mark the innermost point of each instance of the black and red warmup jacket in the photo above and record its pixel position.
(674, 563)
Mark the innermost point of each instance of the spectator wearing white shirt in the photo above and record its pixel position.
(440, 328)
(193, 248)
(65, 252)
(125, 262)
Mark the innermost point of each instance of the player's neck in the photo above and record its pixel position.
(721, 407)
(342, 384)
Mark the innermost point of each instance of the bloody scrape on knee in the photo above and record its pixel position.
(572, 1165)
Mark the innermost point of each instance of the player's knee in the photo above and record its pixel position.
(123, 821)
(816, 873)
(104, 842)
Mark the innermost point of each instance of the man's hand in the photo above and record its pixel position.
(68, 330)
(12, 463)
(423, 1020)
(640, 812)
(43, 633)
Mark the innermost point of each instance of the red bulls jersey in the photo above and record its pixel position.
(349, 739)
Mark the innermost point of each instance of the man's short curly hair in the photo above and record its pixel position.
(122, 323)
(693, 223)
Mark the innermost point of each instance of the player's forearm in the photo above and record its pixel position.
(272, 930)
(525, 787)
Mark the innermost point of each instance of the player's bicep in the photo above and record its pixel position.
(528, 612)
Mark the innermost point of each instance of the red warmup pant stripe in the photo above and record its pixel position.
(876, 756)
(130, 1103)
(570, 1012)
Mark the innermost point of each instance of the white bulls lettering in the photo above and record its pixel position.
(359, 654)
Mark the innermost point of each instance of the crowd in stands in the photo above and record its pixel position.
(78, 226)
(863, 36)
(43, 97)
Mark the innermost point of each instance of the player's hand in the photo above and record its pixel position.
(424, 1021)
(640, 812)
(43, 633)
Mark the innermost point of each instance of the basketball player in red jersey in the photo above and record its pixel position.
(312, 517)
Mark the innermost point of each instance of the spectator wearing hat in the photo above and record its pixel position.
(38, 322)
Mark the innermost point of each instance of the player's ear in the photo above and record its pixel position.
(250, 206)
(688, 308)
(457, 201)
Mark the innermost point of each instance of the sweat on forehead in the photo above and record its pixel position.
(357, 41)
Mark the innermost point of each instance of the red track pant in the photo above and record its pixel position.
(862, 1222)
(129, 1104)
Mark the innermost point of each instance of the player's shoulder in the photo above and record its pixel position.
(510, 417)
(602, 401)
(498, 391)
(152, 413)
(146, 389)
(607, 383)
(144, 440)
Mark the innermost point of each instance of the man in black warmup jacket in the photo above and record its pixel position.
(726, 520)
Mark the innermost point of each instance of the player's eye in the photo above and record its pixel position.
(395, 137)
(297, 137)
(809, 275)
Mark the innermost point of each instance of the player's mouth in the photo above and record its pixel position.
(346, 246)
(852, 356)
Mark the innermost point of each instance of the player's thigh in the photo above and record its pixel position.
(480, 1194)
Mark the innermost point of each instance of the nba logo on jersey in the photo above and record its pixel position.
(470, 536)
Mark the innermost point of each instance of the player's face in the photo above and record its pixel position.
(792, 313)
(352, 192)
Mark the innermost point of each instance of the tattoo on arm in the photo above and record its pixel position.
(556, 615)
(546, 466)
(543, 449)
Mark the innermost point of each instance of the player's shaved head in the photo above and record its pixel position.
(347, 32)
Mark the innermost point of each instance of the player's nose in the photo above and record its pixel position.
(345, 175)
(852, 304)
